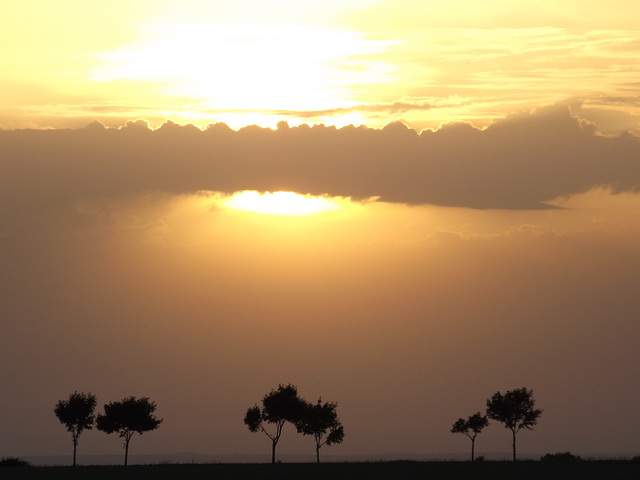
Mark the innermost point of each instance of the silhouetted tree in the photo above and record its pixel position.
(278, 407)
(560, 457)
(515, 409)
(127, 417)
(76, 413)
(471, 427)
(13, 462)
(321, 420)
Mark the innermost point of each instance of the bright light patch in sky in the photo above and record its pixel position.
(280, 203)
(249, 66)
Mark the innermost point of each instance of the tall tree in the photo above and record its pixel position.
(76, 413)
(471, 427)
(321, 420)
(516, 409)
(127, 417)
(278, 407)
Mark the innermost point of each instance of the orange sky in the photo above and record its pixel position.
(480, 169)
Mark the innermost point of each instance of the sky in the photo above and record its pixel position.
(441, 201)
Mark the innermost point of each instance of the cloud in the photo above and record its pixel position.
(384, 109)
(521, 162)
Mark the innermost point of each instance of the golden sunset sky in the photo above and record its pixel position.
(400, 206)
(335, 62)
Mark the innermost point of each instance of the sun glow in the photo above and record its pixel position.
(247, 67)
(280, 203)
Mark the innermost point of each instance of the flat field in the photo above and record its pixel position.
(398, 470)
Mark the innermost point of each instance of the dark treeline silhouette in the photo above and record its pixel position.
(126, 417)
(285, 405)
(515, 409)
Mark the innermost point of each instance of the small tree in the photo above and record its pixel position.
(76, 413)
(471, 427)
(321, 420)
(127, 417)
(278, 407)
(516, 410)
(560, 457)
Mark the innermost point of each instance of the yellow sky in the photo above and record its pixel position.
(371, 62)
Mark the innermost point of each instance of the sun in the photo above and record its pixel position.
(280, 203)
(251, 71)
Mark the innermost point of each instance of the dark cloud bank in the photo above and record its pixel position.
(517, 163)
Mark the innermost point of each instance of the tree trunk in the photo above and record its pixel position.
(514, 446)
(75, 447)
(273, 451)
(317, 453)
(126, 451)
(473, 447)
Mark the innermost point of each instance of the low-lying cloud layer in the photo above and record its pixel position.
(520, 162)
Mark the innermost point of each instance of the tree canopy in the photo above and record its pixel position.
(76, 413)
(127, 417)
(278, 407)
(471, 427)
(321, 421)
(515, 409)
